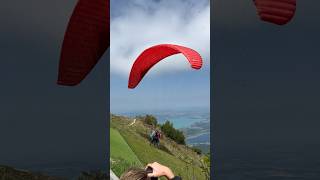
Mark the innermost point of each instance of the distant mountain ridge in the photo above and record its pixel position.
(10, 173)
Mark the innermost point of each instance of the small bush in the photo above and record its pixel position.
(150, 120)
(174, 134)
(197, 150)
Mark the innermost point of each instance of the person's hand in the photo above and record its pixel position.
(160, 170)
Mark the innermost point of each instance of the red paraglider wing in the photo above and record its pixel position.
(276, 11)
(85, 41)
(151, 56)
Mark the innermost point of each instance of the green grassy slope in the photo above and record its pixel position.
(181, 159)
(121, 155)
(120, 149)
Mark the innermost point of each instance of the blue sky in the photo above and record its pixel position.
(171, 84)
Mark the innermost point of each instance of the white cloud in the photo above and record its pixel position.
(144, 23)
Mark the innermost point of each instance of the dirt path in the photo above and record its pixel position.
(134, 121)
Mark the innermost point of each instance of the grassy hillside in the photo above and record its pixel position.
(121, 155)
(181, 159)
(120, 149)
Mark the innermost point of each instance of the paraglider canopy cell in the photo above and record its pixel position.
(279, 12)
